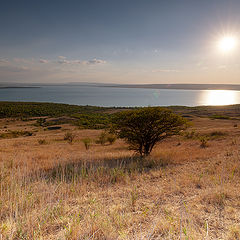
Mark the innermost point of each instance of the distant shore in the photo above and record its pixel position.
(17, 87)
(178, 86)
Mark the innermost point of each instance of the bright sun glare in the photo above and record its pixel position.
(219, 97)
(227, 44)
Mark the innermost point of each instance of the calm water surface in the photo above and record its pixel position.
(106, 96)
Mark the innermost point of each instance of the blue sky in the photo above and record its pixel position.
(134, 41)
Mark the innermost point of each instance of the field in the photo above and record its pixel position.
(51, 188)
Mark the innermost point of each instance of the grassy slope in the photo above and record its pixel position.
(59, 190)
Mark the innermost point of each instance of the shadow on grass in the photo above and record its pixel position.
(109, 170)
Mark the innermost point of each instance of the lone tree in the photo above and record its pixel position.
(144, 127)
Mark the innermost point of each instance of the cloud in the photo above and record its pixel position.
(166, 70)
(61, 57)
(63, 61)
(24, 60)
(94, 61)
(3, 61)
(43, 61)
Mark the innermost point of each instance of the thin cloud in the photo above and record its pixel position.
(165, 70)
(61, 57)
(94, 61)
(3, 61)
(63, 61)
(43, 61)
(24, 60)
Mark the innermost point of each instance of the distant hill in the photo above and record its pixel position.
(178, 86)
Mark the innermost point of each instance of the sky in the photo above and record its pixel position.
(118, 41)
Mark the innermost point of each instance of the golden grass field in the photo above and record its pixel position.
(57, 190)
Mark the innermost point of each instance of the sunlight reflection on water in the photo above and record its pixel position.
(219, 97)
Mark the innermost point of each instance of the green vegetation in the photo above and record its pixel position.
(87, 142)
(145, 127)
(92, 120)
(219, 117)
(105, 137)
(102, 139)
(41, 122)
(32, 109)
(89, 117)
(111, 138)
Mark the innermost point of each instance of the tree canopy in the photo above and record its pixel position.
(144, 127)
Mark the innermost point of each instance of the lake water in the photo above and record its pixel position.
(108, 96)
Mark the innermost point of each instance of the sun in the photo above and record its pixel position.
(227, 44)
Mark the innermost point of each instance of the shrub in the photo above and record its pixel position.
(215, 135)
(144, 127)
(42, 141)
(204, 142)
(191, 135)
(69, 137)
(102, 139)
(41, 122)
(87, 142)
(111, 138)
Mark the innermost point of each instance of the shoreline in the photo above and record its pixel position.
(177, 86)
(17, 87)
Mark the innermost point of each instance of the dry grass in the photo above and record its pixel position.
(61, 191)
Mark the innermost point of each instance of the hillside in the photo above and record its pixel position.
(53, 189)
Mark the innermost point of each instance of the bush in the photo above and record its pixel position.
(144, 127)
(41, 122)
(87, 142)
(111, 138)
(191, 135)
(105, 137)
(42, 141)
(102, 139)
(204, 142)
(69, 137)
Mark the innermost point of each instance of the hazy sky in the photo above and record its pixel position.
(118, 41)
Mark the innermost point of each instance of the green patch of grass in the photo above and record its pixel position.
(220, 117)
(34, 109)
(92, 120)
(214, 135)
